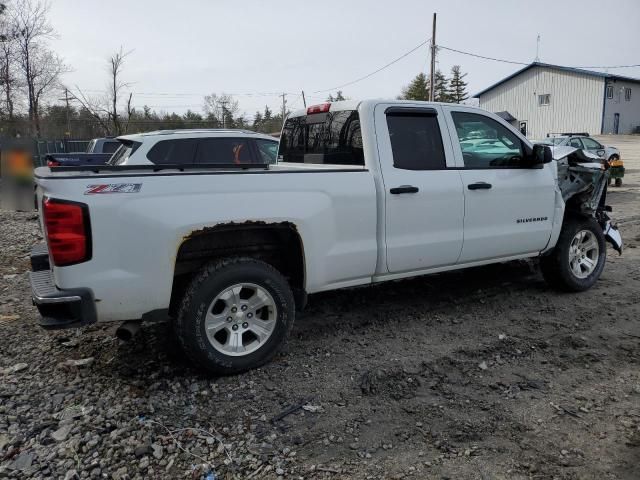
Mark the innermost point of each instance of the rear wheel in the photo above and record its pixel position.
(578, 258)
(235, 315)
(618, 182)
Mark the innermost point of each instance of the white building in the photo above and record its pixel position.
(541, 99)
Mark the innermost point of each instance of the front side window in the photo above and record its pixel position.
(224, 150)
(268, 150)
(591, 144)
(416, 141)
(609, 91)
(486, 143)
(323, 138)
(627, 94)
(544, 100)
(173, 152)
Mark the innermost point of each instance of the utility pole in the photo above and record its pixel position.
(433, 61)
(66, 101)
(537, 49)
(304, 101)
(284, 106)
(223, 103)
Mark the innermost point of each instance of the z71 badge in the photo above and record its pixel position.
(113, 188)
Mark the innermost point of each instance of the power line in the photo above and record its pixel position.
(184, 94)
(375, 71)
(482, 56)
(527, 63)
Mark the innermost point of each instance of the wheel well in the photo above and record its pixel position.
(278, 244)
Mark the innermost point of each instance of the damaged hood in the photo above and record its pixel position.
(581, 177)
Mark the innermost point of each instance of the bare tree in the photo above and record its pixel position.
(96, 108)
(105, 109)
(116, 85)
(221, 108)
(7, 65)
(40, 67)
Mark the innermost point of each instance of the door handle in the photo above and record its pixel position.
(479, 186)
(404, 189)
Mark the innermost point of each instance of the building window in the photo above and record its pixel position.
(627, 94)
(544, 100)
(609, 91)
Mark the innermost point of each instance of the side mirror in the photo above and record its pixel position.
(541, 154)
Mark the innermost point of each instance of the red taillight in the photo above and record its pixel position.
(322, 108)
(53, 163)
(68, 231)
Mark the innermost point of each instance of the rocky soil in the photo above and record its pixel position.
(478, 374)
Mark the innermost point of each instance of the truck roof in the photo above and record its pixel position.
(355, 104)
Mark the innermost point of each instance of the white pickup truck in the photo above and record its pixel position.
(363, 192)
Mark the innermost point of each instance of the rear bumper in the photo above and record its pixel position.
(69, 308)
(39, 257)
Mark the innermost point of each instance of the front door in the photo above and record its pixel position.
(508, 207)
(616, 123)
(423, 200)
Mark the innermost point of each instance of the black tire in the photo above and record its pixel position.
(555, 266)
(618, 182)
(205, 287)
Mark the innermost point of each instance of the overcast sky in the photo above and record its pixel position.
(182, 50)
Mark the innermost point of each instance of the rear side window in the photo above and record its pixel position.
(323, 138)
(224, 150)
(416, 141)
(172, 152)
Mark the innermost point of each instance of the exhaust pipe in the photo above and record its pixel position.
(128, 330)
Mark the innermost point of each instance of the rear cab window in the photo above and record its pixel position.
(332, 138)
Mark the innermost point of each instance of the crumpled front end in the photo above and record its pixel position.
(583, 179)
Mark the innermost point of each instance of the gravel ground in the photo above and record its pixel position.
(478, 374)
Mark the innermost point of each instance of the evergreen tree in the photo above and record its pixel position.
(441, 90)
(418, 89)
(457, 85)
(257, 122)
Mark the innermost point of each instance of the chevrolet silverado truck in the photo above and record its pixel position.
(363, 192)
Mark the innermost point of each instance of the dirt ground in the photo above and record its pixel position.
(478, 374)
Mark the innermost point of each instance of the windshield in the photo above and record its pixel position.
(323, 138)
(268, 150)
(90, 146)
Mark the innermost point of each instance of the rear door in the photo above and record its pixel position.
(509, 207)
(424, 201)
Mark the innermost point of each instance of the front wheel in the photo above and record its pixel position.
(235, 315)
(578, 258)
